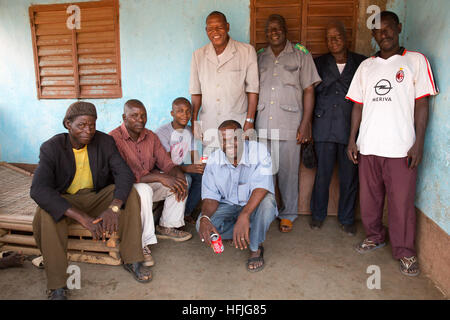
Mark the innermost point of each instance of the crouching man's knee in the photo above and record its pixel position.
(268, 210)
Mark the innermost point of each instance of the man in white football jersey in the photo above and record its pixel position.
(390, 93)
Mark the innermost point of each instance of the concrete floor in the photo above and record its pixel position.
(304, 264)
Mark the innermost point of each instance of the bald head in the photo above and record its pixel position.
(133, 103)
(217, 14)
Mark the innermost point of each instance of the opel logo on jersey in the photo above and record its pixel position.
(383, 87)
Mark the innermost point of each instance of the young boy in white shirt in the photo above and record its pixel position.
(178, 140)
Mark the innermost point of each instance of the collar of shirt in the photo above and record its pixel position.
(126, 135)
(287, 49)
(223, 160)
(400, 52)
(227, 54)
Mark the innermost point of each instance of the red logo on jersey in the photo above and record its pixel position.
(400, 75)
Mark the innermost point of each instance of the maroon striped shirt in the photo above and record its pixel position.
(144, 154)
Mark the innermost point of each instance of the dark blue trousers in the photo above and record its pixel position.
(327, 154)
(195, 192)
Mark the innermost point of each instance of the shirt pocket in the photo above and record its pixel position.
(290, 107)
(290, 75)
(243, 192)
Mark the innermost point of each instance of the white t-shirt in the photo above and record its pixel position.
(388, 89)
(179, 143)
(340, 67)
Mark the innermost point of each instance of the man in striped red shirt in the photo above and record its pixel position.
(390, 93)
(156, 177)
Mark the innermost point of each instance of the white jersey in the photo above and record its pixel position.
(388, 89)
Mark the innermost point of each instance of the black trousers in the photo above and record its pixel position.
(327, 154)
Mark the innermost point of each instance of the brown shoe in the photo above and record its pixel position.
(148, 259)
(172, 234)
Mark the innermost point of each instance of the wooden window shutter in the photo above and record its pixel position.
(306, 21)
(78, 63)
(318, 13)
(260, 10)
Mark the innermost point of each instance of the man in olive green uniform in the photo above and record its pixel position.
(286, 102)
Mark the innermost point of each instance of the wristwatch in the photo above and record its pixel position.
(249, 120)
(114, 209)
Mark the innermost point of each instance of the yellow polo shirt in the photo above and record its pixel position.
(83, 174)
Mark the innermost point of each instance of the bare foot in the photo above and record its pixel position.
(189, 219)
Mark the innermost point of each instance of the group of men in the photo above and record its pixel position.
(108, 183)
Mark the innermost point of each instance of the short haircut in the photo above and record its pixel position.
(217, 13)
(181, 101)
(133, 103)
(230, 123)
(388, 15)
(278, 18)
(339, 25)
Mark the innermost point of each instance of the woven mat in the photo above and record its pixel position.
(15, 193)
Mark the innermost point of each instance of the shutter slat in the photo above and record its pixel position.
(95, 37)
(57, 81)
(53, 40)
(54, 50)
(97, 69)
(99, 80)
(96, 59)
(52, 29)
(55, 61)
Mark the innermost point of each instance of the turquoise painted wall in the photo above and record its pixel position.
(157, 40)
(426, 26)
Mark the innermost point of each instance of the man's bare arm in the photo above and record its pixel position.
(241, 234)
(421, 110)
(352, 150)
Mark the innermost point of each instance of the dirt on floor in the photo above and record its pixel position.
(303, 264)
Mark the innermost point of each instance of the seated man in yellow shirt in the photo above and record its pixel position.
(81, 176)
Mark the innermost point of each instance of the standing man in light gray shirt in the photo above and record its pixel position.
(285, 108)
(224, 82)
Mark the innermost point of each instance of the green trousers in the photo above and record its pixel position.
(52, 237)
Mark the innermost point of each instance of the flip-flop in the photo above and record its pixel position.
(256, 259)
(135, 270)
(38, 262)
(285, 225)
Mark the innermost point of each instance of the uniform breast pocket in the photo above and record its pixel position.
(289, 75)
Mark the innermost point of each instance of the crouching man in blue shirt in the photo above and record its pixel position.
(238, 194)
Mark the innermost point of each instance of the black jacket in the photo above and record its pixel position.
(332, 112)
(56, 171)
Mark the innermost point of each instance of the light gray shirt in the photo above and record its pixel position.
(179, 143)
(282, 81)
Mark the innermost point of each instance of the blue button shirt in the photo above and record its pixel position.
(234, 185)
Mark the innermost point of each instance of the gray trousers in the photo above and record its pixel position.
(286, 161)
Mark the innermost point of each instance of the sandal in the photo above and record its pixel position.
(260, 258)
(38, 262)
(409, 266)
(285, 225)
(136, 269)
(368, 245)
